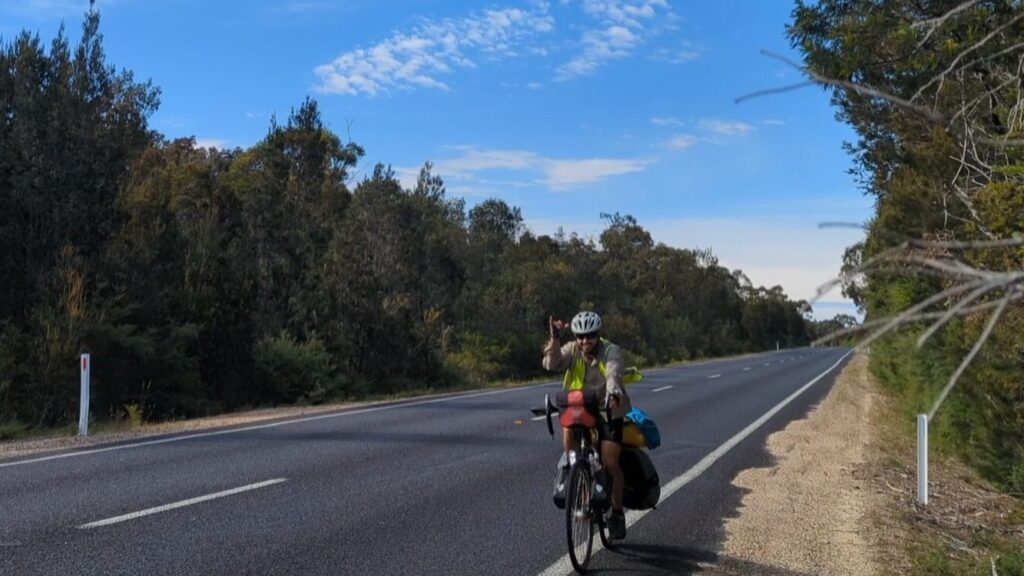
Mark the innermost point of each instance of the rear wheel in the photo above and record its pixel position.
(579, 522)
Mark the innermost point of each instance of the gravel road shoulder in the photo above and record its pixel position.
(812, 512)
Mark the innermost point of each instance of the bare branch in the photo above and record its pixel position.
(904, 316)
(924, 317)
(934, 24)
(955, 244)
(970, 355)
(770, 91)
(952, 65)
(852, 86)
(984, 288)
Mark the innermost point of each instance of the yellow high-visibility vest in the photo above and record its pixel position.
(575, 376)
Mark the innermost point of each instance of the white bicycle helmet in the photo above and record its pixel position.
(586, 323)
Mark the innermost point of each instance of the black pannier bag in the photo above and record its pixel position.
(643, 488)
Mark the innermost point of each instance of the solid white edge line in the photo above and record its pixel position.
(181, 504)
(563, 566)
(302, 420)
(661, 389)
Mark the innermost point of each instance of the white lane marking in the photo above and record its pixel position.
(563, 565)
(536, 418)
(181, 504)
(747, 369)
(660, 389)
(767, 363)
(264, 426)
(302, 420)
(713, 376)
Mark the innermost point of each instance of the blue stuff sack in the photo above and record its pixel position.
(647, 427)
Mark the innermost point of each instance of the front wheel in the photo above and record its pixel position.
(579, 522)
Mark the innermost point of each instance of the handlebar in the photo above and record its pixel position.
(562, 399)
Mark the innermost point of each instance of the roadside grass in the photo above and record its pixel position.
(968, 527)
(12, 430)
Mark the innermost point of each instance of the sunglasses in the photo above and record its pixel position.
(591, 336)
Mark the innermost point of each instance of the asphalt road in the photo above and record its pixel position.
(451, 485)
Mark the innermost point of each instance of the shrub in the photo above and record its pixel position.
(288, 370)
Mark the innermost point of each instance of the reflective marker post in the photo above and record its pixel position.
(922, 459)
(83, 408)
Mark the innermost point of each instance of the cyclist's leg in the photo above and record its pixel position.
(611, 448)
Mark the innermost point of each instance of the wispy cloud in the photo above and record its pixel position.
(622, 25)
(685, 52)
(422, 57)
(218, 143)
(555, 173)
(563, 174)
(474, 159)
(727, 127)
(681, 141)
(667, 121)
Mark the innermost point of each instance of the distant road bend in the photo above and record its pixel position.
(458, 484)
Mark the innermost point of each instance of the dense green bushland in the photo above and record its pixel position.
(938, 147)
(204, 280)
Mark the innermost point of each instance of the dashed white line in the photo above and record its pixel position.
(747, 369)
(713, 376)
(536, 418)
(660, 389)
(181, 504)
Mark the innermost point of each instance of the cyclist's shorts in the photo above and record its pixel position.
(610, 431)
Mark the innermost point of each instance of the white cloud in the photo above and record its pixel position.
(474, 159)
(667, 121)
(211, 143)
(419, 58)
(622, 26)
(624, 12)
(562, 174)
(555, 173)
(772, 122)
(677, 56)
(681, 141)
(727, 128)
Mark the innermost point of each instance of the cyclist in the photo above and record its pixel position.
(593, 363)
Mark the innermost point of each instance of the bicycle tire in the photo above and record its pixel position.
(579, 522)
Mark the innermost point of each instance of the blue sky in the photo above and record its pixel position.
(565, 108)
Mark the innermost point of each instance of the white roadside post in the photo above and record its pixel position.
(922, 459)
(83, 408)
